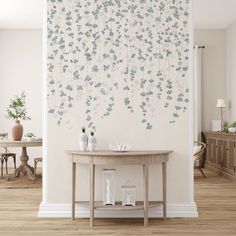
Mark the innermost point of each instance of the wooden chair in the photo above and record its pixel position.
(5, 155)
(198, 157)
(36, 161)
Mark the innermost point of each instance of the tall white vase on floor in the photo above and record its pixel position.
(83, 141)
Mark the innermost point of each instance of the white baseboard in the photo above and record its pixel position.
(60, 210)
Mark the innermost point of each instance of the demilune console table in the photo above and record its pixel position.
(144, 158)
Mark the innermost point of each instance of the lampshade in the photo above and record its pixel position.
(220, 103)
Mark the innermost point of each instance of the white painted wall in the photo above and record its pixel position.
(23, 14)
(213, 14)
(231, 71)
(123, 127)
(213, 72)
(21, 69)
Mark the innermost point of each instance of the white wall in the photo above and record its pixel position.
(231, 71)
(21, 69)
(67, 107)
(213, 72)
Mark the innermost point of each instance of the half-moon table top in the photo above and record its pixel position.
(22, 143)
(113, 153)
(108, 157)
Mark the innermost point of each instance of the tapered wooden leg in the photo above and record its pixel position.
(73, 189)
(92, 184)
(164, 188)
(145, 191)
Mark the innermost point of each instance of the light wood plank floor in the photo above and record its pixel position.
(215, 196)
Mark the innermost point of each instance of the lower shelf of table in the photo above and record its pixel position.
(118, 206)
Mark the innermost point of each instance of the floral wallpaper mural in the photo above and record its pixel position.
(138, 48)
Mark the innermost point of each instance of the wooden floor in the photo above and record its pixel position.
(215, 197)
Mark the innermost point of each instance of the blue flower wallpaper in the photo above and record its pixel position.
(101, 51)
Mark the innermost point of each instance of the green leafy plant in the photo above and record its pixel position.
(226, 128)
(30, 135)
(17, 108)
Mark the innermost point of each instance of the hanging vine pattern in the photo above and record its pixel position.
(137, 47)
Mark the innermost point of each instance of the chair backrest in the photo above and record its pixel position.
(4, 136)
(198, 155)
(202, 145)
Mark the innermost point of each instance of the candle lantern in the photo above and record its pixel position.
(109, 187)
(128, 194)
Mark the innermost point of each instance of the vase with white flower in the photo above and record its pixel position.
(83, 140)
(92, 142)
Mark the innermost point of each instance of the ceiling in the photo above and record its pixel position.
(28, 14)
(21, 14)
(213, 14)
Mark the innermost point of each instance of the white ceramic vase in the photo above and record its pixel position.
(83, 142)
(92, 143)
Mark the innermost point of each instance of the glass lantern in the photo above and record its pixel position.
(109, 187)
(128, 194)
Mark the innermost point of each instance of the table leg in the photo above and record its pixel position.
(73, 189)
(24, 167)
(2, 162)
(164, 188)
(145, 191)
(92, 183)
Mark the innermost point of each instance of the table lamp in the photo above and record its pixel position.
(221, 104)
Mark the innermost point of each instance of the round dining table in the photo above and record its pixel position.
(24, 167)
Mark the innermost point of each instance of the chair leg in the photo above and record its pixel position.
(14, 159)
(201, 170)
(35, 167)
(6, 166)
(2, 161)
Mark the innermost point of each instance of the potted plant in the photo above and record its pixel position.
(30, 136)
(17, 111)
(230, 128)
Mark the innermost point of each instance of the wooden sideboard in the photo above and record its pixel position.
(221, 153)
